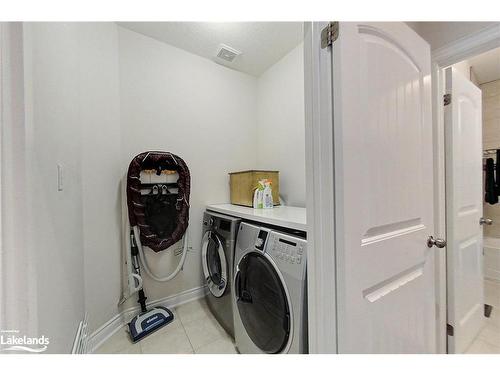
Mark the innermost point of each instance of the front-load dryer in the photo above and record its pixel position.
(269, 291)
(217, 258)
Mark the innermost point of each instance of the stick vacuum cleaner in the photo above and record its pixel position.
(158, 216)
(150, 320)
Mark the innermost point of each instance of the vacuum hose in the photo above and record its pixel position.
(145, 262)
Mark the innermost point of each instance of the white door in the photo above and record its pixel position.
(464, 208)
(383, 189)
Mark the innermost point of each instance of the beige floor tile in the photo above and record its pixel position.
(492, 293)
(494, 318)
(491, 334)
(168, 340)
(194, 310)
(479, 346)
(221, 346)
(131, 349)
(203, 331)
(117, 343)
(193, 327)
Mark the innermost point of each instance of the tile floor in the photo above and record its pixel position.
(488, 340)
(194, 330)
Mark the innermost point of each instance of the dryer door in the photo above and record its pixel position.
(263, 302)
(214, 263)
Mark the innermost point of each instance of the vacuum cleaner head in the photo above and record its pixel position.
(148, 322)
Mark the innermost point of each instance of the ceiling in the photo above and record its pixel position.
(486, 67)
(262, 43)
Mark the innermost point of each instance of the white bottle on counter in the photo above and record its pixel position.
(258, 195)
(268, 195)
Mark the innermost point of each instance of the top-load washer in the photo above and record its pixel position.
(269, 291)
(217, 255)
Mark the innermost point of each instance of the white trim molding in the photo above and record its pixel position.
(321, 285)
(108, 329)
(80, 344)
(470, 45)
(439, 206)
(2, 304)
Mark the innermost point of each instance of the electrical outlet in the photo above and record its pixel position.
(178, 251)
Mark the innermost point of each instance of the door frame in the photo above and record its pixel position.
(2, 273)
(454, 52)
(321, 272)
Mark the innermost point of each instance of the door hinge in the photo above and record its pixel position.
(450, 331)
(446, 99)
(329, 34)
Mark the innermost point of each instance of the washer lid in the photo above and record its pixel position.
(214, 263)
(263, 303)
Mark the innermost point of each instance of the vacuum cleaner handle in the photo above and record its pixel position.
(134, 282)
(134, 276)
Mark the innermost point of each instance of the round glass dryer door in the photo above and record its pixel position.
(214, 263)
(263, 303)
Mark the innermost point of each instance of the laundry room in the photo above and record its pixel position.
(222, 97)
(214, 187)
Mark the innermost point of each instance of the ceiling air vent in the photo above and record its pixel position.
(227, 53)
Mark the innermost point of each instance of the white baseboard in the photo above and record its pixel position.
(80, 344)
(100, 335)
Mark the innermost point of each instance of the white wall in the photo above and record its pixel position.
(72, 109)
(53, 128)
(102, 168)
(175, 101)
(17, 281)
(465, 68)
(281, 128)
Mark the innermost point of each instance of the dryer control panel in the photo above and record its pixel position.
(287, 249)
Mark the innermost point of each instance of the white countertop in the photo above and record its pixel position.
(283, 216)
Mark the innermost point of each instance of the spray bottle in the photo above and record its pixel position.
(258, 195)
(267, 195)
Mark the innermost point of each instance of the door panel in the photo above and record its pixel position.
(383, 189)
(464, 208)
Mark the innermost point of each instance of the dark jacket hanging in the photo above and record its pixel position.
(498, 173)
(490, 195)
